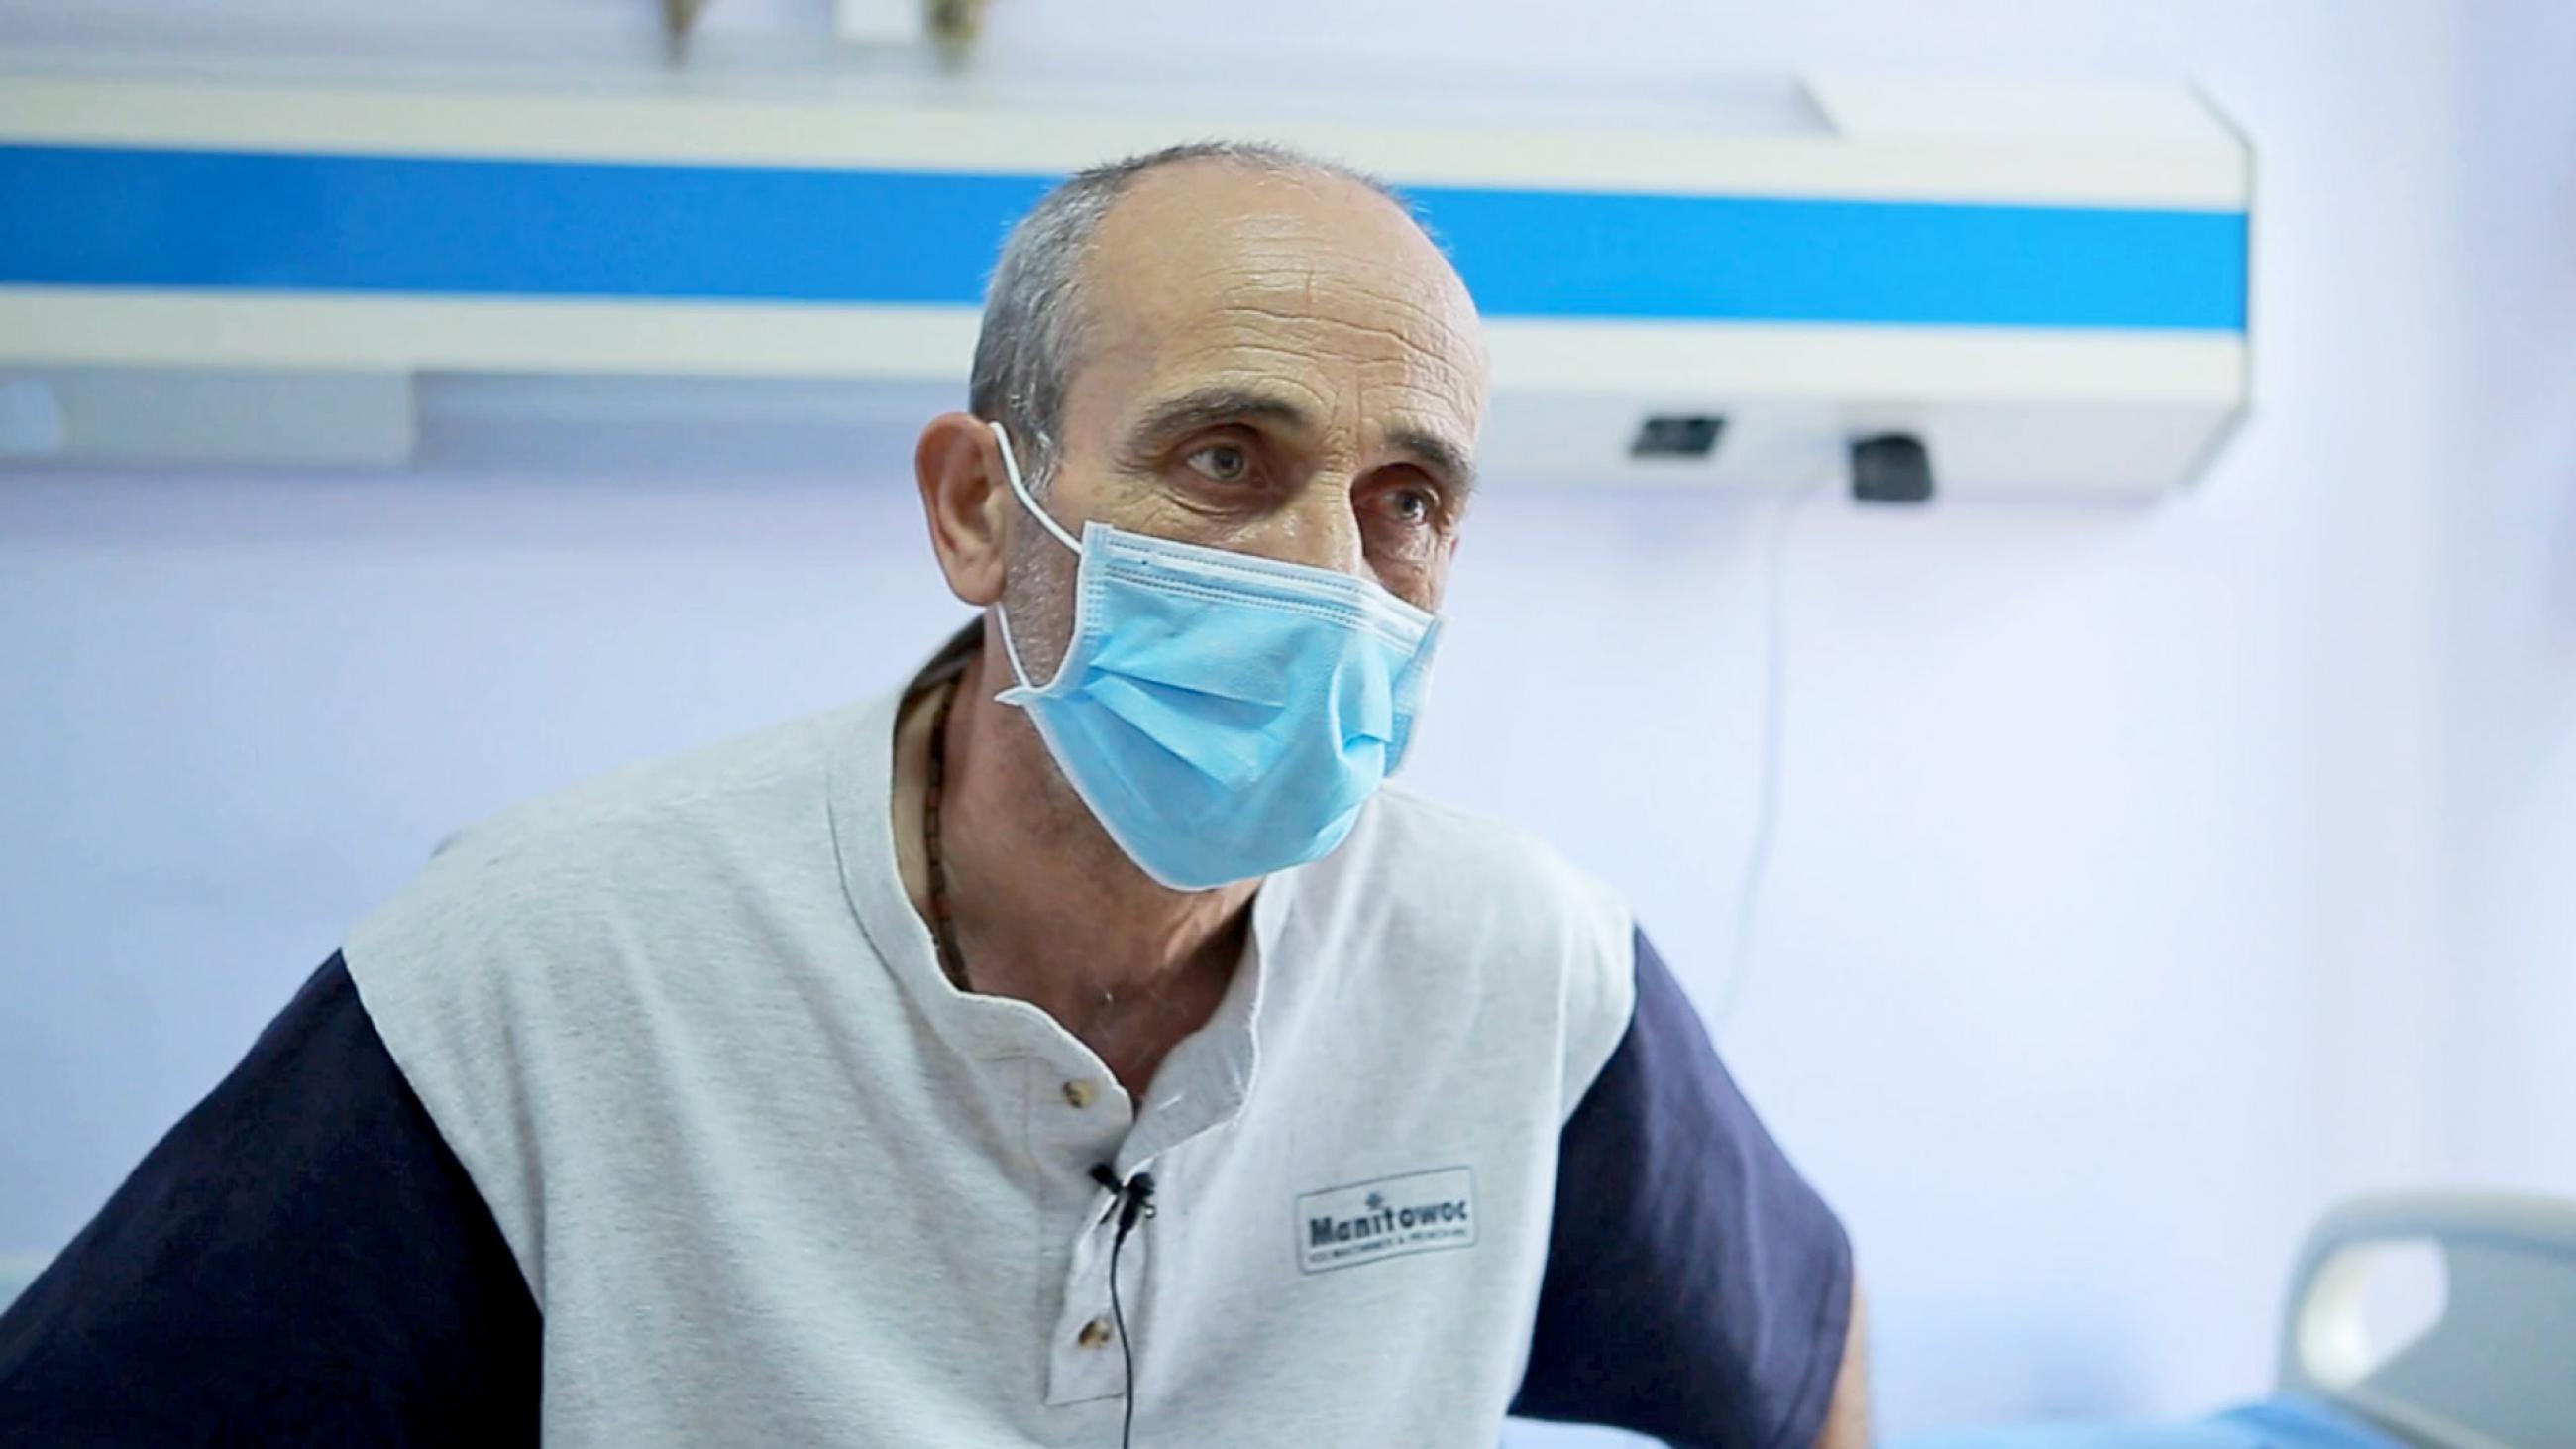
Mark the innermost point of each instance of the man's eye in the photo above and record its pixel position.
(1221, 462)
(1410, 505)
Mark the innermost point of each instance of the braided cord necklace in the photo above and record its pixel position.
(943, 928)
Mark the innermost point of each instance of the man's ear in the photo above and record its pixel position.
(965, 501)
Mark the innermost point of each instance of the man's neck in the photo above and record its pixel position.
(1044, 904)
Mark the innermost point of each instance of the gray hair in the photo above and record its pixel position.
(1034, 306)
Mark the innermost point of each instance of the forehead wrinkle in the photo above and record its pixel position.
(1380, 397)
(1219, 403)
(1334, 307)
(1391, 358)
(1266, 366)
(1413, 401)
(1408, 310)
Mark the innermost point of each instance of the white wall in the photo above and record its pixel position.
(2509, 590)
(2107, 915)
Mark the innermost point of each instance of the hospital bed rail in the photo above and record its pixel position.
(2496, 1369)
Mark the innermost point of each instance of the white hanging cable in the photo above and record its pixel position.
(1766, 806)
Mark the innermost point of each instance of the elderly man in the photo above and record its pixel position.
(1076, 1046)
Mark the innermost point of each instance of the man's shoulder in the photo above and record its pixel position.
(669, 838)
(1488, 895)
(733, 782)
(1471, 905)
(1446, 859)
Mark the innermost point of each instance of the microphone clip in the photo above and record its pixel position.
(1135, 1196)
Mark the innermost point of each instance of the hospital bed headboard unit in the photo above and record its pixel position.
(2046, 286)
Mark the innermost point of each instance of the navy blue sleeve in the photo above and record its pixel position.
(300, 1261)
(1697, 1290)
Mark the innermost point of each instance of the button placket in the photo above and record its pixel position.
(1198, 1088)
(1083, 1363)
(1078, 1119)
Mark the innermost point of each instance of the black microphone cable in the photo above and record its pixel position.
(1135, 1200)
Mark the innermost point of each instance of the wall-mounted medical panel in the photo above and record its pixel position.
(2048, 285)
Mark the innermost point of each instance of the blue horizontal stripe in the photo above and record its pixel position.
(119, 217)
(1567, 254)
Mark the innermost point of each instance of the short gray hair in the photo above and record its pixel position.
(1033, 307)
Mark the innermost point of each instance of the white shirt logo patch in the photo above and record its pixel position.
(1387, 1217)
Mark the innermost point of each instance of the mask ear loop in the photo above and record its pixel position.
(1020, 490)
(1011, 471)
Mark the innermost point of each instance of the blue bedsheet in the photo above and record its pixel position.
(2286, 1423)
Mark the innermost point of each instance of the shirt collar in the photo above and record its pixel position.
(1203, 1082)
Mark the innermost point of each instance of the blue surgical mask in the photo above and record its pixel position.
(1224, 716)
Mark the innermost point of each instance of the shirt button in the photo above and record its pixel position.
(1078, 1094)
(1094, 1334)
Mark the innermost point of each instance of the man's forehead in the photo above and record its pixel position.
(1291, 283)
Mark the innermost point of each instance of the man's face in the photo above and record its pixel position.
(1280, 365)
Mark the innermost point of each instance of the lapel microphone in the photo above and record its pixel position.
(1134, 1199)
